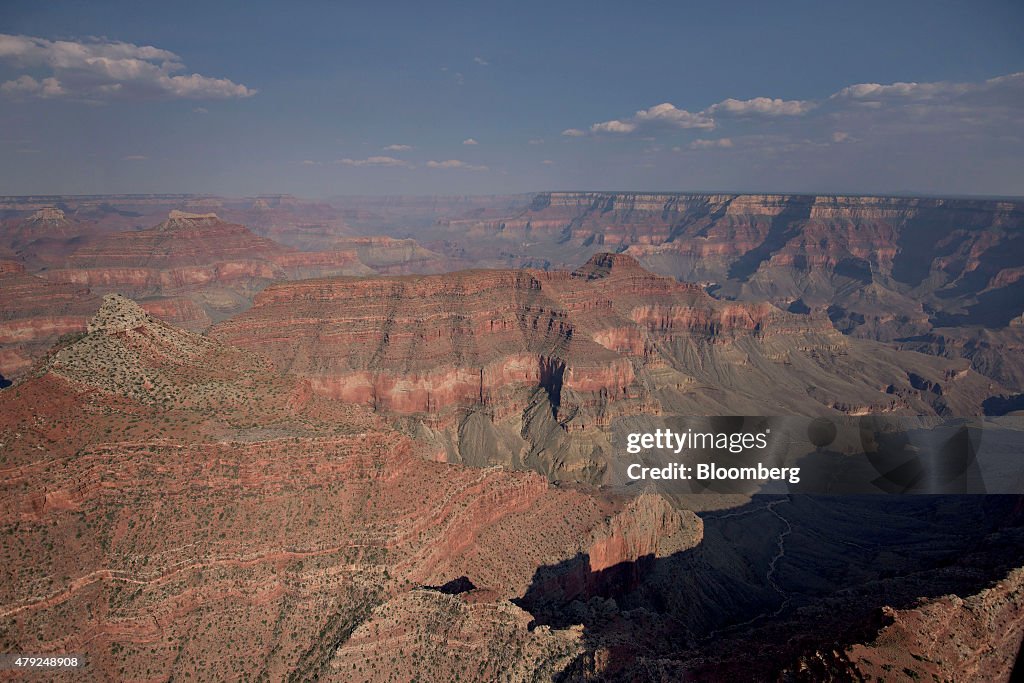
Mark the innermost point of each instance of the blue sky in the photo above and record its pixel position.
(331, 98)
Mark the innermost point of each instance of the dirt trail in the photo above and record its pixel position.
(769, 576)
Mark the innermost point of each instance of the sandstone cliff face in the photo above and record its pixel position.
(180, 311)
(881, 267)
(34, 313)
(531, 368)
(420, 344)
(47, 222)
(647, 527)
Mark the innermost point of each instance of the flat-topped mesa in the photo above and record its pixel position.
(176, 215)
(274, 201)
(47, 213)
(118, 314)
(185, 220)
(606, 264)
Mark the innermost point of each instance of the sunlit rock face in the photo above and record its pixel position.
(883, 268)
(532, 368)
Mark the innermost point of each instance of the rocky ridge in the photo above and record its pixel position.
(533, 368)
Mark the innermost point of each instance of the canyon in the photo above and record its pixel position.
(534, 369)
(182, 500)
(920, 272)
(376, 439)
(165, 535)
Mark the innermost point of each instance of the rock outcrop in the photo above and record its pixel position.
(648, 527)
(976, 638)
(532, 368)
(495, 641)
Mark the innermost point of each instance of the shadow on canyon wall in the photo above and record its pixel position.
(775, 579)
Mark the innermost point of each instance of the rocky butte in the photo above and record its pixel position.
(531, 368)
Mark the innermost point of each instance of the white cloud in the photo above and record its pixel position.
(200, 110)
(375, 161)
(536, 141)
(481, 61)
(711, 144)
(874, 91)
(938, 90)
(26, 85)
(573, 133)
(134, 157)
(862, 111)
(613, 126)
(455, 163)
(99, 70)
(985, 108)
(470, 141)
(548, 162)
(198, 87)
(667, 112)
(763, 106)
(398, 148)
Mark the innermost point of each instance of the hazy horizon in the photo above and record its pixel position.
(526, 193)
